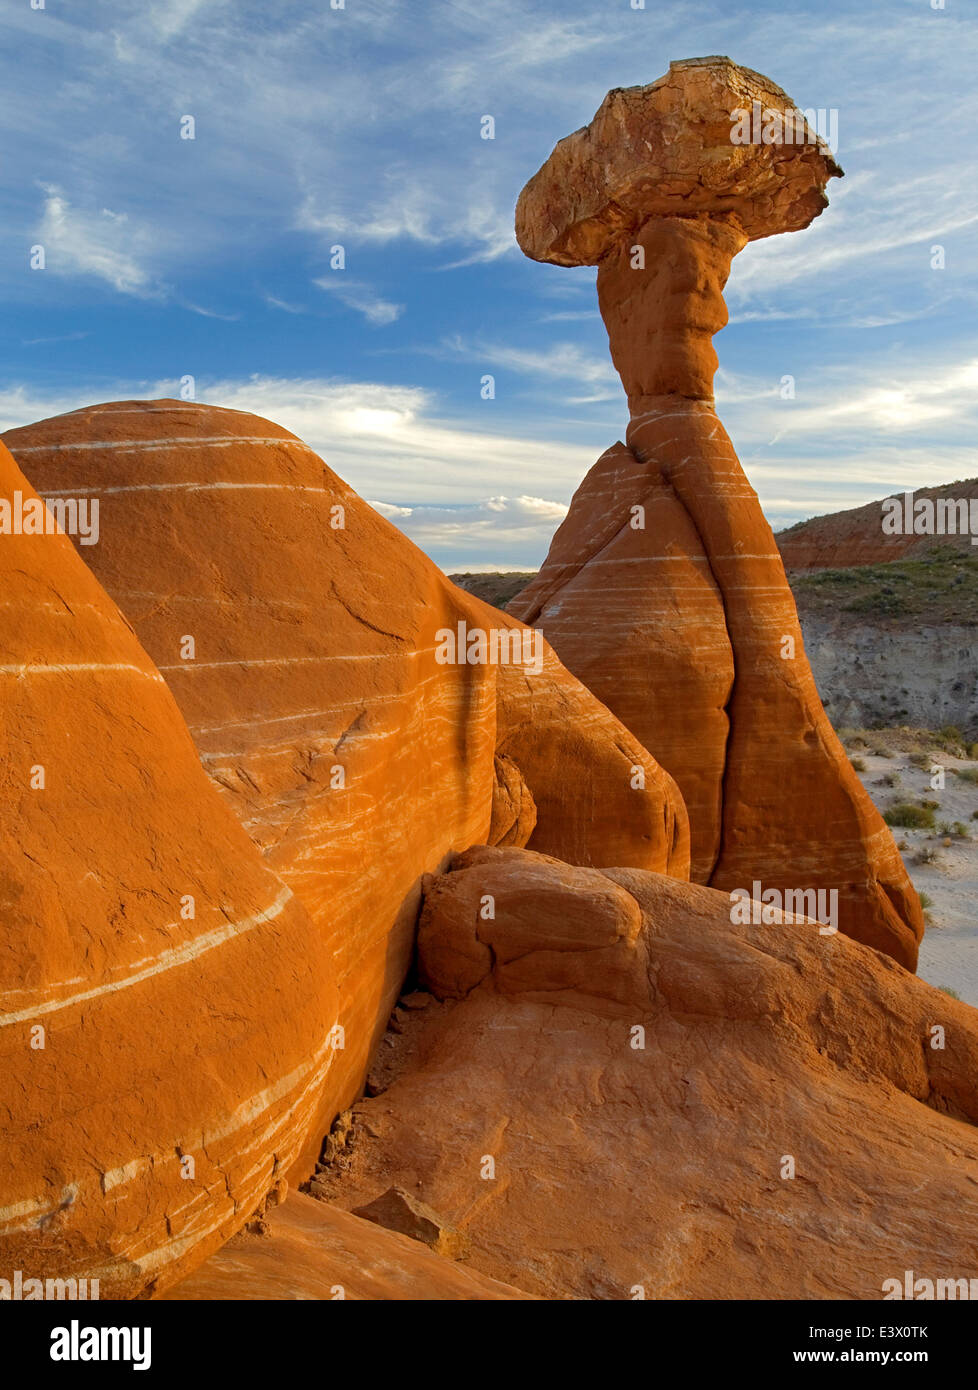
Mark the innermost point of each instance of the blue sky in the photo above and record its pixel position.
(361, 126)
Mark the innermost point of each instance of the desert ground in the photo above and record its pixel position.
(942, 858)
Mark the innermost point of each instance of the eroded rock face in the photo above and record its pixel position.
(628, 599)
(300, 633)
(673, 534)
(397, 1210)
(622, 1089)
(166, 1004)
(514, 812)
(314, 1251)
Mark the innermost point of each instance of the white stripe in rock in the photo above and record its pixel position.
(167, 960)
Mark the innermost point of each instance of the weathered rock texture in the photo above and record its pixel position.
(655, 193)
(397, 1210)
(638, 614)
(619, 1083)
(314, 1251)
(355, 759)
(165, 1001)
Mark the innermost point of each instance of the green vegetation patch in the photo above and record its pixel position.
(939, 587)
(909, 816)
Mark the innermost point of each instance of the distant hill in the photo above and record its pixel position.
(496, 587)
(856, 537)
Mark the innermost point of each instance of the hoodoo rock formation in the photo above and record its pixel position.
(166, 1004)
(664, 589)
(299, 632)
(617, 1090)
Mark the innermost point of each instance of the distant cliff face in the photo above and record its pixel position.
(926, 677)
(868, 535)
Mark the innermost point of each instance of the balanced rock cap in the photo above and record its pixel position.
(677, 148)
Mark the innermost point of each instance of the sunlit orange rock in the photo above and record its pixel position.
(166, 1005)
(312, 1250)
(620, 1092)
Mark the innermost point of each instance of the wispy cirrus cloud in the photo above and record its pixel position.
(101, 244)
(558, 363)
(360, 297)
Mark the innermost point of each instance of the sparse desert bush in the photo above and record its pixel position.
(954, 744)
(910, 817)
(931, 805)
(921, 760)
(960, 830)
(859, 764)
(889, 779)
(881, 751)
(925, 900)
(927, 854)
(967, 774)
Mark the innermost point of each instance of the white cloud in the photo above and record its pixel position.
(871, 218)
(172, 18)
(356, 295)
(389, 442)
(275, 303)
(415, 210)
(103, 244)
(211, 313)
(570, 316)
(390, 510)
(503, 532)
(878, 402)
(559, 362)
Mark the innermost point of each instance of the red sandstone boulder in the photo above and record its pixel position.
(688, 626)
(623, 1093)
(166, 1005)
(302, 635)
